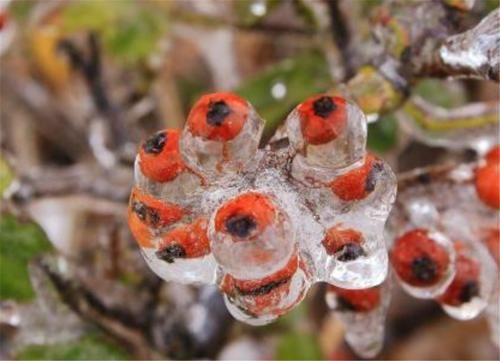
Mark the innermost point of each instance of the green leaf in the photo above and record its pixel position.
(443, 93)
(298, 346)
(89, 347)
(301, 77)
(19, 243)
(6, 176)
(130, 30)
(383, 135)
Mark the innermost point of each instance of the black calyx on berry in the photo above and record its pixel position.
(350, 252)
(469, 290)
(240, 225)
(171, 253)
(324, 106)
(373, 175)
(263, 290)
(155, 143)
(424, 268)
(217, 112)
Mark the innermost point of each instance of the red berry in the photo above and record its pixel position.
(245, 216)
(186, 241)
(147, 213)
(418, 259)
(358, 183)
(487, 182)
(465, 285)
(263, 295)
(345, 243)
(218, 116)
(322, 118)
(493, 156)
(160, 159)
(3, 19)
(364, 300)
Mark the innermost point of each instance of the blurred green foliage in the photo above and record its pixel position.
(301, 77)
(298, 346)
(6, 175)
(383, 135)
(130, 30)
(441, 92)
(89, 347)
(19, 243)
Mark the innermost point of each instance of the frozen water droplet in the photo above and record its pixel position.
(422, 212)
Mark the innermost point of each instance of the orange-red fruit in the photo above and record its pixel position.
(418, 259)
(146, 213)
(186, 241)
(160, 158)
(487, 182)
(344, 242)
(493, 156)
(363, 300)
(265, 293)
(218, 116)
(465, 285)
(358, 183)
(245, 216)
(322, 118)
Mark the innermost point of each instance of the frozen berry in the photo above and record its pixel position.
(244, 216)
(493, 156)
(487, 182)
(146, 213)
(160, 159)
(322, 118)
(186, 241)
(218, 116)
(152, 211)
(362, 300)
(262, 295)
(344, 243)
(418, 259)
(465, 285)
(358, 183)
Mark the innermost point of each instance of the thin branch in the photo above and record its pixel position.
(91, 70)
(474, 53)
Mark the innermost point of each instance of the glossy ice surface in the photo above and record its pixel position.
(264, 224)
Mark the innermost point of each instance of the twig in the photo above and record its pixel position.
(91, 69)
(341, 35)
(473, 53)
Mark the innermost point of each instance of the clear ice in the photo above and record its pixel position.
(266, 223)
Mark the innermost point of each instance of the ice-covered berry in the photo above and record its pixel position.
(358, 183)
(344, 243)
(362, 300)
(185, 241)
(322, 118)
(160, 159)
(418, 259)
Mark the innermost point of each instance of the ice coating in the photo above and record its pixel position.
(363, 314)
(249, 220)
(448, 201)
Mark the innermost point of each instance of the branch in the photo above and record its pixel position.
(474, 53)
(341, 35)
(91, 70)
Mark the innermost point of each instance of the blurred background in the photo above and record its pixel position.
(83, 82)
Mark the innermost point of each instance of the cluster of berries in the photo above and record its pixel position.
(209, 206)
